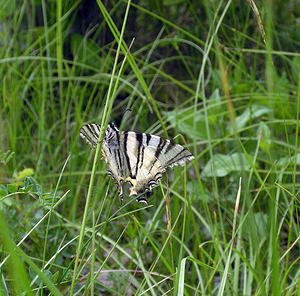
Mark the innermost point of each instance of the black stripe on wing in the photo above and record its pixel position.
(126, 154)
(90, 133)
(150, 184)
(148, 138)
(144, 199)
(182, 155)
(159, 151)
(142, 151)
(139, 138)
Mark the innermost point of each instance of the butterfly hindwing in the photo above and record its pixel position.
(149, 156)
(146, 170)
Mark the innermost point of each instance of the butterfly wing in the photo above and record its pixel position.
(90, 133)
(137, 158)
(149, 156)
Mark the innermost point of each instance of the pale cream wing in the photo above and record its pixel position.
(90, 133)
(150, 155)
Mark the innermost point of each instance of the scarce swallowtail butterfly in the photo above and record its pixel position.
(137, 158)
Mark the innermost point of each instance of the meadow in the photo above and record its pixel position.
(221, 78)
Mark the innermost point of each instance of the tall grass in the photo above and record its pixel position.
(221, 78)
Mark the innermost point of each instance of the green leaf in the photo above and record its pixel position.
(24, 173)
(3, 190)
(264, 133)
(289, 160)
(183, 119)
(214, 107)
(221, 165)
(12, 188)
(251, 113)
(31, 185)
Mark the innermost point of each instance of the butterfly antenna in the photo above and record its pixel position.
(123, 116)
(127, 110)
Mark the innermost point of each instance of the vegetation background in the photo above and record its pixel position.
(221, 77)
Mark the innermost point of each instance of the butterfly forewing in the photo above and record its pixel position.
(138, 158)
(90, 132)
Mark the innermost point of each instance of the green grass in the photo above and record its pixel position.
(221, 78)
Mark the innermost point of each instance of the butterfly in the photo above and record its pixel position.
(136, 158)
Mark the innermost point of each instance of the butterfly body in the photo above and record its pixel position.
(136, 158)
